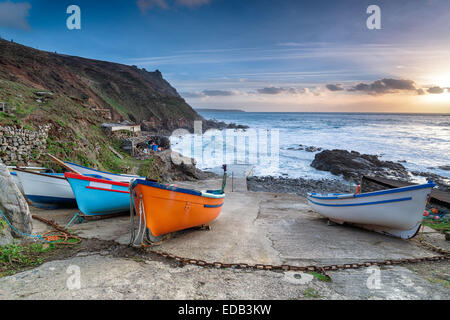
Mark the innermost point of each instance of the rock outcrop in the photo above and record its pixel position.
(353, 165)
(13, 204)
(442, 183)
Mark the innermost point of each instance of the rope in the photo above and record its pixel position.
(43, 237)
(142, 220)
(132, 231)
(23, 234)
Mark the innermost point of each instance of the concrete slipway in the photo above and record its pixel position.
(253, 228)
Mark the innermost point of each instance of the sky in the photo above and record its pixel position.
(260, 55)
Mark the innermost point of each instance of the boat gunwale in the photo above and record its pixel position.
(40, 174)
(360, 204)
(371, 194)
(70, 175)
(114, 174)
(177, 189)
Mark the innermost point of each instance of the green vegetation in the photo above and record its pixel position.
(320, 276)
(117, 106)
(2, 225)
(439, 226)
(16, 257)
(9, 119)
(18, 96)
(311, 293)
(444, 282)
(150, 169)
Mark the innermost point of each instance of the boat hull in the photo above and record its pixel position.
(398, 212)
(170, 209)
(97, 197)
(16, 180)
(46, 190)
(106, 175)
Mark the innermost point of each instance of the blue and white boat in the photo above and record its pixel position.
(108, 175)
(397, 212)
(96, 197)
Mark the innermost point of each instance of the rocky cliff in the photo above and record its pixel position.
(72, 97)
(128, 92)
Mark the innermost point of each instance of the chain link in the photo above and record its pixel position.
(444, 255)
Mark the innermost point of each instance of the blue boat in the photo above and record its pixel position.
(97, 197)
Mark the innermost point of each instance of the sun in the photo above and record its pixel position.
(441, 80)
(437, 98)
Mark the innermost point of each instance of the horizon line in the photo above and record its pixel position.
(351, 112)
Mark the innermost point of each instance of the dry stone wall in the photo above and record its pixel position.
(18, 146)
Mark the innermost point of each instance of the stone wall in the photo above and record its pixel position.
(18, 146)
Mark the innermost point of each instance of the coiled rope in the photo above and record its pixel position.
(48, 237)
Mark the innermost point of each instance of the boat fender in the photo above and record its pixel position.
(358, 189)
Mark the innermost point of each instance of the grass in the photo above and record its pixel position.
(150, 169)
(9, 119)
(19, 96)
(2, 225)
(439, 226)
(320, 276)
(445, 283)
(15, 257)
(311, 293)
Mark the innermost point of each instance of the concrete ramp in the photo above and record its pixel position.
(258, 228)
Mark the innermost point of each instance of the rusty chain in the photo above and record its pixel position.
(444, 255)
(63, 232)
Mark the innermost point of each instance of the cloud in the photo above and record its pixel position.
(145, 5)
(192, 3)
(14, 15)
(221, 93)
(420, 92)
(435, 90)
(192, 94)
(384, 86)
(335, 87)
(279, 90)
(270, 90)
(209, 93)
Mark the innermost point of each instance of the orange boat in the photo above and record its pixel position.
(164, 209)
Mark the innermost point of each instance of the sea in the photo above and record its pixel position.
(421, 142)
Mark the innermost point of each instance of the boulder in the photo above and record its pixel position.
(353, 165)
(13, 204)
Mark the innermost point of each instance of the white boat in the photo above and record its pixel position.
(105, 175)
(397, 212)
(16, 179)
(45, 190)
